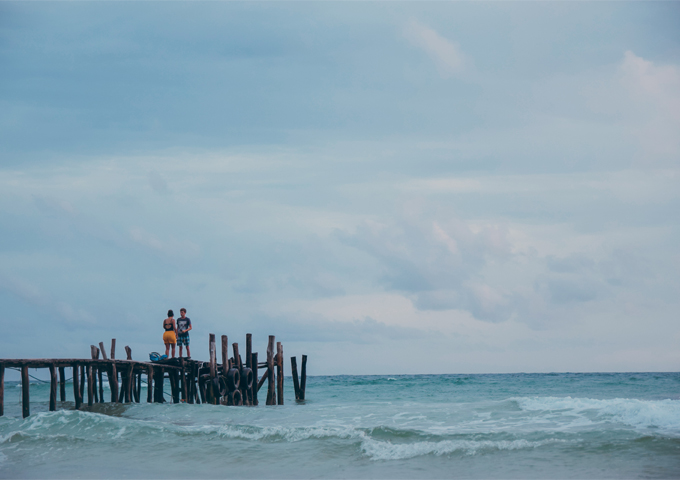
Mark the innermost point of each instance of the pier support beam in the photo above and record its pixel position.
(253, 362)
(183, 380)
(76, 387)
(53, 388)
(294, 371)
(2, 390)
(113, 373)
(159, 378)
(138, 391)
(90, 386)
(82, 383)
(128, 385)
(271, 393)
(113, 381)
(303, 379)
(213, 371)
(149, 384)
(25, 398)
(279, 373)
(62, 384)
(194, 386)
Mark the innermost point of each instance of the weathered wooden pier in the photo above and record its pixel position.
(232, 382)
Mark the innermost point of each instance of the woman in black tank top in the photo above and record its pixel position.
(170, 335)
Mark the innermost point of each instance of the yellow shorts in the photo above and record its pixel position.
(169, 337)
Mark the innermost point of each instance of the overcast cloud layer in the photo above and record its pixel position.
(388, 188)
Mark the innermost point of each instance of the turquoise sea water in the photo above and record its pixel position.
(622, 425)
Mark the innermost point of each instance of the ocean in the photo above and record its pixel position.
(566, 425)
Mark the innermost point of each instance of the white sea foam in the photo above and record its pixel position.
(379, 450)
(663, 414)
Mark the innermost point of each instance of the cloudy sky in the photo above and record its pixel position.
(386, 187)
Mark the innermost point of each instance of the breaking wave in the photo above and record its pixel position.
(659, 414)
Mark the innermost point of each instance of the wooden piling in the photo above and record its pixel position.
(100, 380)
(138, 390)
(121, 393)
(249, 350)
(279, 372)
(149, 384)
(225, 355)
(113, 373)
(194, 386)
(95, 355)
(82, 383)
(53, 388)
(213, 370)
(90, 389)
(101, 347)
(191, 386)
(122, 396)
(271, 394)
(62, 384)
(183, 380)
(93, 373)
(213, 361)
(303, 377)
(240, 366)
(294, 371)
(253, 362)
(128, 351)
(130, 379)
(2, 390)
(76, 387)
(174, 391)
(113, 381)
(159, 377)
(94, 384)
(237, 357)
(25, 398)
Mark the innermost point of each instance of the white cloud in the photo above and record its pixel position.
(169, 246)
(654, 95)
(446, 54)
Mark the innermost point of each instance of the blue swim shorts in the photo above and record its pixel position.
(183, 340)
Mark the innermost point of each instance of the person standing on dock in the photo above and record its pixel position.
(183, 327)
(170, 334)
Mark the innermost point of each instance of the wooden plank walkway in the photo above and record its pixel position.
(232, 382)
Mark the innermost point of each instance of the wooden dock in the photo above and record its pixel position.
(232, 382)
